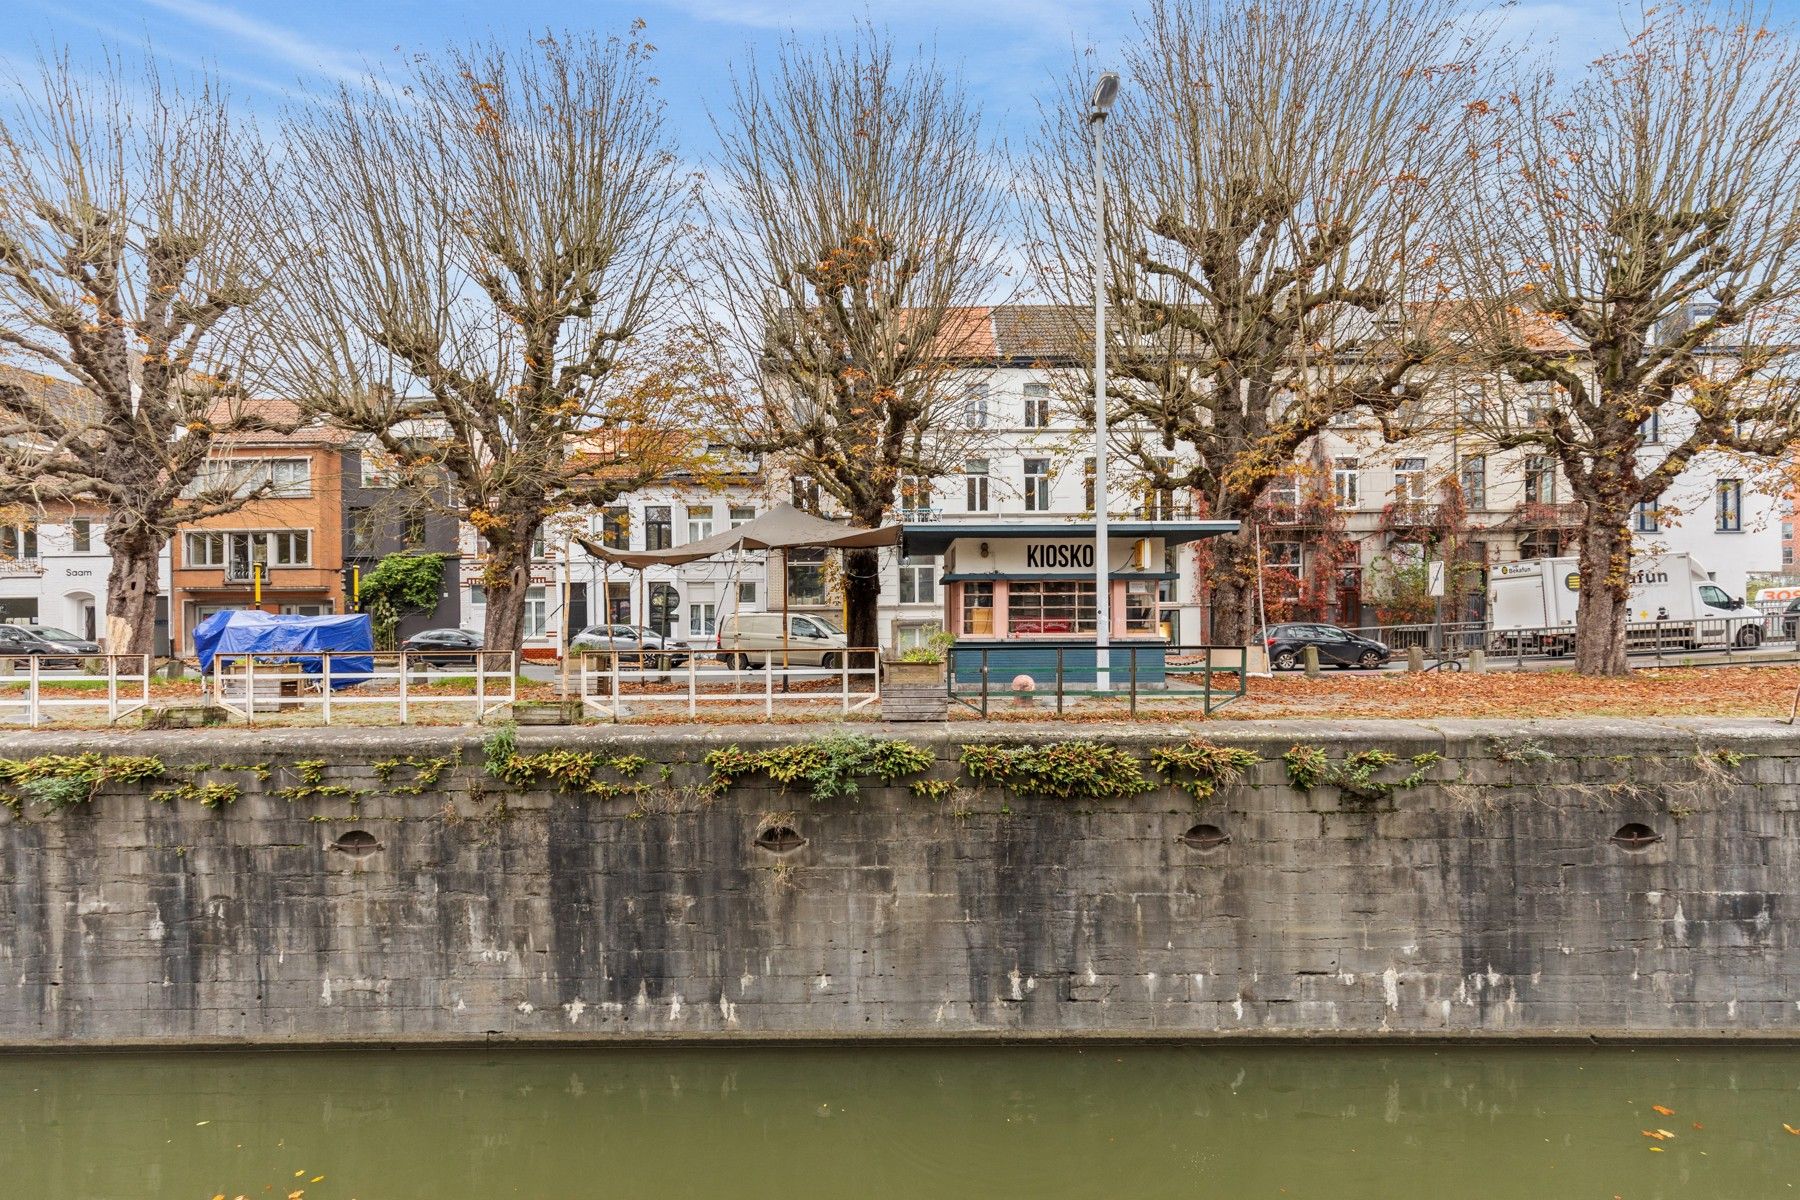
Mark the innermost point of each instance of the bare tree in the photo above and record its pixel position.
(486, 242)
(129, 210)
(854, 218)
(1631, 253)
(1273, 172)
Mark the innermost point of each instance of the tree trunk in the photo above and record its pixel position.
(1231, 585)
(1605, 596)
(131, 591)
(862, 597)
(507, 574)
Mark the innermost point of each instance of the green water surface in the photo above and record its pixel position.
(1305, 1123)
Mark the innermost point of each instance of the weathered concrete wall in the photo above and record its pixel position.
(1487, 901)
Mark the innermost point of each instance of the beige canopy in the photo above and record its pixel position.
(781, 528)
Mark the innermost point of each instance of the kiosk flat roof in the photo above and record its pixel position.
(934, 537)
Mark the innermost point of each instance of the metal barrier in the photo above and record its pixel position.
(244, 685)
(1134, 672)
(29, 683)
(613, 683)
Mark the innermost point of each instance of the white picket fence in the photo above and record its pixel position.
(33, 692)
(406, 682)
(614, 683)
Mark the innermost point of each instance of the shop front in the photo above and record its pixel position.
(1021, 597)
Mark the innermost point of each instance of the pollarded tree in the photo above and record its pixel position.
(1630, 250)
(1273, 172)
(487, 241)
(853, 219)
(129, 260)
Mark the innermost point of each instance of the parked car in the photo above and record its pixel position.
(635, 644)
(16, 641)
(753, 639)
(1790, 619)
(1337, 647)
(444, 647)
(61, 639)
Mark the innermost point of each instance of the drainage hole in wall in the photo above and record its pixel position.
(1204, 837)
(1635, 836)
(358, 843)
(780, 839)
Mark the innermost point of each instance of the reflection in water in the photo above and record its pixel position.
(1332, 1123)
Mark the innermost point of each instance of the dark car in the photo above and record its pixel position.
(16, 641)
(635, 644)
(444, 647)
(58, 641)
(1790, 618)
(1337, 647)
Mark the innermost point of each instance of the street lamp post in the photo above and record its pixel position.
(1105, 92)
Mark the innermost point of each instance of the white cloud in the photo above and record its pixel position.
(274, 40)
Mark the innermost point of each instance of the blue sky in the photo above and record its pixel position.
(1007, 49)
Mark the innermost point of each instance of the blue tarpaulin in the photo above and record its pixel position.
(241, 632)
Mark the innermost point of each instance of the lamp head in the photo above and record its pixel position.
(1105, 92)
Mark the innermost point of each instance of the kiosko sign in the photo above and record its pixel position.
(1052, 554)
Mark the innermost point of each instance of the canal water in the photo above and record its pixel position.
(1305, 1123)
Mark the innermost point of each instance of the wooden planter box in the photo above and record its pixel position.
(554, 712)
(913, 691)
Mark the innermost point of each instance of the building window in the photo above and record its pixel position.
(412, 530)
(1050, 606)
(292, 548)
(1787, 556)
(1283, 498)
(540, 544)
(1643, 517)
(1474, 482)
(1650, 432)
(1409, 479)
(702, 618)
(378, 469)
(975, 409)
(742, 514)
(204, 550)
(290, 477)
(477, 596)
(537, 612)
(1540, 480)
(1037, 406)
(915, 495)
(1140, 606)
(81, 535)
(805, 576)
(18, 543)
(659, 528)
(1343, 481)
(1285, 555)
(1729, 506)
(700, 523)
(918, 579)
(1037, 485)
(978, 609)
(975, 481)
(1159, 502)
(615, 528)
(746, 594)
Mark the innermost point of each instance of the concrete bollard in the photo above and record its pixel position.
(1415, 658)
(1311, 655)
(1478, 661)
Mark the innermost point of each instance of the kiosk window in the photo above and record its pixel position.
(1050, 606)
(1140, 606)
(978, 609)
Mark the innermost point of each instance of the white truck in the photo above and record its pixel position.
(1674, 606)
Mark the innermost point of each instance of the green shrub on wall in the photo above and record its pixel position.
(1072, 770)
(55, 781)
(1359, 774)
(831, 766)
(1199, 767)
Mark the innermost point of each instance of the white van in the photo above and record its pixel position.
(1532, 605)
(754, 639)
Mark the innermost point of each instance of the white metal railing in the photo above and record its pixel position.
(245, 684)
(31, 687)
(612, 683)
